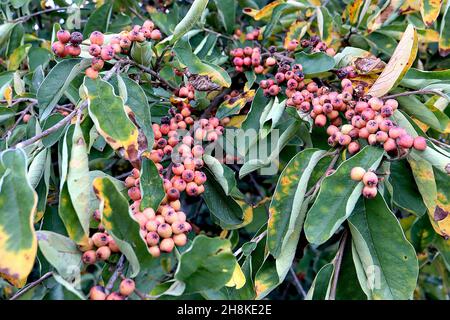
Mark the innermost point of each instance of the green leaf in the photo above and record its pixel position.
(52, 138)
(254, 114)
(66, 209)
(37, 168)
(137, 101)
(314, 62)
(405, 192)
(56, 83)
(117, 220)
(418, 79)
(108, 114)
(142, 52)
(189, 20)
(389, 261)
(338, 196)
(61, 252)
(227, 13)
(183, 52)
(444, 36)
(325, 23)
(78, 178)
(288, 198)
(259, 162)
(207, 265)
(222, 173)
(151, 185)
(234, 105)
(18, 244)
(221, 206)
(99, 19)
(320, 288)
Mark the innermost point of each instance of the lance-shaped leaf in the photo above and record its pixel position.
(400, 62)
(135, 98)
(186, 57)
(325, 22)
(444, 36)
(442, 210)
(389, 263)
(56, 83)
(387, 13)
(99, 19)
(111, 121)
(288, 198)
(338, 196)
(61, 252)
(263, 13)
(222, 173)
(151, 185)
(78, 178)
(353, 9)
(117, 220)
(320, 288)
(234, 105)
(208, 264)
(222, 206)
(189, 20)
(66, 210)
(429, 9)
(18, 200)
(227, 13)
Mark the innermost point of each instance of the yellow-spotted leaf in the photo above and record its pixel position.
(429, 9)
(353, 9)
(17, 56)
(117, 220)
(263, 13)
(387, 13)
(288, 198)
(444, 38)
(325, 22)
(338, 196)
(196, 66)
(237, 279)
(296, 31)
(442, 210)
(18, 201)
(400, 62)
(234, 105)
(410, 6)
(111, 120)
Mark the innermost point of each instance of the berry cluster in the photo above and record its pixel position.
(68, 44)
(247, 58)
(121, 43)
(100, 247)
(291, 77)
(126, 288)
(316, 45)
(369, 179)
(252, 35)
(167, 227)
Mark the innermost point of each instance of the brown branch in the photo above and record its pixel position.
(409, 93)
(314, 189)
(115, 275)
(38, 13)
(297, 283)
(337, 266)
(19, 100)
(215, 103)
(31, 286)
(22, 114)
(148, 70)
(69, 117)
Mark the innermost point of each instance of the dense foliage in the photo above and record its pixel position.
(224, 149)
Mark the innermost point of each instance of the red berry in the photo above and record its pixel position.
(127, 287)
(63, 36)
(58, 48)
(420, 143)
(76, 38)
(97, 37)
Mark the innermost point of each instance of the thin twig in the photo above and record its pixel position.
(38, 13)
(256, 240)
(112, 280)
(31, 286)
(22, 114)
(314, 189)
(215, 103)
(19, 100)
(441, 143)
(136, 13)
(409, 93)
(297, 283)
(337, 266)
